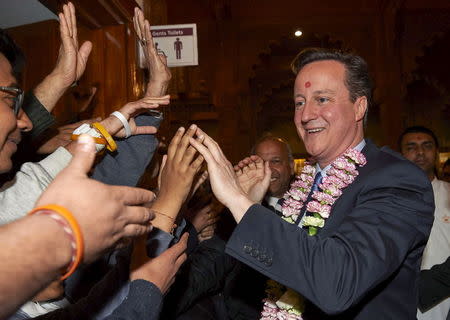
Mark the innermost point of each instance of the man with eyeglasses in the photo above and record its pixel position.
(15, 94)
(14, 120)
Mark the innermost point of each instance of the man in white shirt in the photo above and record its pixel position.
(420, 145)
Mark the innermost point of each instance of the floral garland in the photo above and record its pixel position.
(282, 302)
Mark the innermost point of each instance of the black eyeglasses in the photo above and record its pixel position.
(17, 96)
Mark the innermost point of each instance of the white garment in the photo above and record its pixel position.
(273, 201)
(438, 246)
(18, 196)
(35, 309)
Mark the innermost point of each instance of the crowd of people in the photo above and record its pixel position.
(361, 232)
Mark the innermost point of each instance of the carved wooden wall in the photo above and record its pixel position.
(243, 81)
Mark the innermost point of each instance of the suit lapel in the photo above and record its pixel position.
(345, 202)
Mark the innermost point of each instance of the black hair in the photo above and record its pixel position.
(417, 129)
(12, 53)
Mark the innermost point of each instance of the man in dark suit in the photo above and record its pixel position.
(364, 262)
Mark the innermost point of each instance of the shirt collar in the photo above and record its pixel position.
(323, 171)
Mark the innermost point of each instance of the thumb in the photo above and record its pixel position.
(83, 156)
(267, 174)
(84, 52)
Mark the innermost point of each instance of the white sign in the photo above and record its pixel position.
(178, 42)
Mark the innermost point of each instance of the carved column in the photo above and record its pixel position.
(387, 71)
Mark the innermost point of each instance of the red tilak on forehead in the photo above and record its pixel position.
(307, 84)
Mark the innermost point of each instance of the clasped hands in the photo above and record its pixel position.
(236, 187)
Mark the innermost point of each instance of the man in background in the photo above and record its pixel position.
(420, 145)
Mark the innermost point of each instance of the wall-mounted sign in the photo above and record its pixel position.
(178, 42)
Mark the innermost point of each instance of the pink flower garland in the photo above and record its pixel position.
(342, 173)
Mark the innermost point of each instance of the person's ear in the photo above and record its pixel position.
(360, 108)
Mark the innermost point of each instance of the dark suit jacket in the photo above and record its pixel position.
(364, 263)
(434, 285)
(209, 271)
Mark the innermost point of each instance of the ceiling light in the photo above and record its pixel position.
(298, 33)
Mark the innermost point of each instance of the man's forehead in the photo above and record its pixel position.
(271, 147)
(319, 76)
(417, 137)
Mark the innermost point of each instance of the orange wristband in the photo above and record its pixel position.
(57, 212)
(111, 144)
(97, 140)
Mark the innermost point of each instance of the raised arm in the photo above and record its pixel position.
(119, 213)
(71, 62)
(156, 63)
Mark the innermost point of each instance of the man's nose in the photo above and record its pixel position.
(23, 122)
(309, 113)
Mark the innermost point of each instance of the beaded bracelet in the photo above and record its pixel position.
(111, 144)
(71, 227)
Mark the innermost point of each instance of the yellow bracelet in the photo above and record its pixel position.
(74, 137)
(66, 218)
(111, 144)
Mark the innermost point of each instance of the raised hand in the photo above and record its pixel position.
(106, 214)
(254, 177)
(157, 63)
(161, 270)
(71, 60)
(129, 111)
(224, 182)
(177, 175)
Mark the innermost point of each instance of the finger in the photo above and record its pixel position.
(84, 52)
(136, 230)
(204, 151)
(64, 30)
(157, 99)
(182, 151)
(179, 248)
(259, 163)
(148, 36)
(180, 260)
(145, 130)
(136, 24)
(73, 21)
(66, 11)
(252, 165)
(140, 19)
(132, 196)
(173, 146)
(163, 164)
(197, 163)
(139, 215)
(267, 174)
(84, 155)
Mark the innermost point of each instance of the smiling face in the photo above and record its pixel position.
(9, 129)
(326, 119)
(276, 153)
